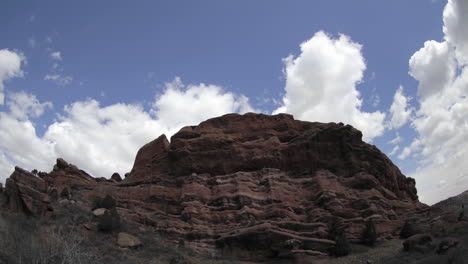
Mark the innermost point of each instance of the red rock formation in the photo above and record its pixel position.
(27, 193)
(251, 185)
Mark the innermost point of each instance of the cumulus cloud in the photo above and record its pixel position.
(101, 139)
(23, 105)
(194, 103)
(400, 111)
(10, 67)
(433, 66)
(20, 145)
(105, 139)
(321, 84)
(455, 26)
(441, 120)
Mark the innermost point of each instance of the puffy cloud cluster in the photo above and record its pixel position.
(104, 139)
(23, 105)
(10, 67)
(321, 84)
(181, 105)
(441, 120)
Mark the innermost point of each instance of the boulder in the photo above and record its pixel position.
(99, 211)
(128, 241)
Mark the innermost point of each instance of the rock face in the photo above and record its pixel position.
(252, 185)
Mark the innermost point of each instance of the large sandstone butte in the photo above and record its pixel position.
(254, 186)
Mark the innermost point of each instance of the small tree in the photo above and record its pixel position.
(65, 193)
(108, 202)
(336, 233)
(369, 236)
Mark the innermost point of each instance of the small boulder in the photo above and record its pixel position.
(98, 212)
(128, 241)
(419, 242)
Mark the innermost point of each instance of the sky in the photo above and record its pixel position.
(93, 81)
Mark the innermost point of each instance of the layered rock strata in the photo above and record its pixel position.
(253, 185)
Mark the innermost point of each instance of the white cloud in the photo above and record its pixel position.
(399, 110)
(321, 84)
(412, 148)
(59, 79)
(433, 66)
(194, 103)
(10, 67)
(452, 172)
(455, 28)
(23, 105)
(396, 140)
(56, 55)
(394, 150)
(441, 120)
(375, 100)
(86, 133)
(20, 145)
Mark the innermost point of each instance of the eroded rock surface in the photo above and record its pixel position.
(252, 185)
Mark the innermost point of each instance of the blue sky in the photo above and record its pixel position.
(121, 73)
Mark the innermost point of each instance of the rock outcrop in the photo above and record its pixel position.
(253, 185)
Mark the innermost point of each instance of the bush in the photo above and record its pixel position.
(410, 228)
(369, 236)
(107, 202)
(23, 241)
(109, 221)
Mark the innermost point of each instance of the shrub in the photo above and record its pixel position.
(109, 221)
(107, 202)
(409, 229)
(23, 241)
(369, 236)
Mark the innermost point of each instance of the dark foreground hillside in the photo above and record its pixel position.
(235, 189)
